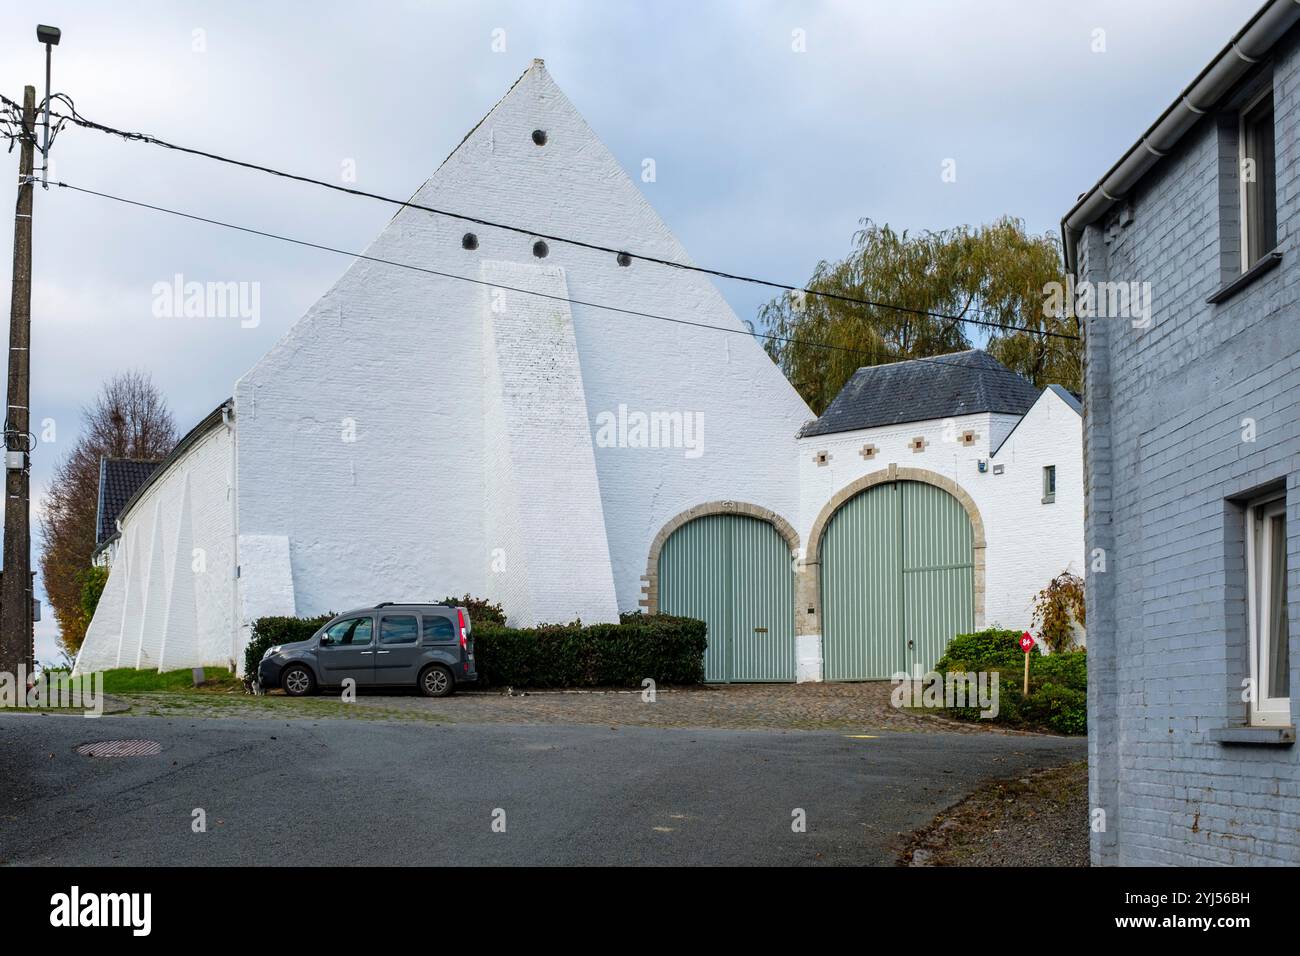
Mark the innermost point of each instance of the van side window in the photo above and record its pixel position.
(399, 630)
(438, 629)
(354, 631)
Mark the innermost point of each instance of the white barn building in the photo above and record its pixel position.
(416, 436)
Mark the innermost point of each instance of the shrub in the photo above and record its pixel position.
(668, 650)
(481, 610)
(269, 631)
(983, 650)
(93, 580)
(1064, 709)
(1057, 608)
(1058, 683)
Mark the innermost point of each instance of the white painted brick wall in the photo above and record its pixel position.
(1028, 542)
(548, 552)
(169, 599)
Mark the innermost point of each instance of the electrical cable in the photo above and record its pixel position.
(86, 123)
(483, 282)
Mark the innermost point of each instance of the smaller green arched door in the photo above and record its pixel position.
(734, 573)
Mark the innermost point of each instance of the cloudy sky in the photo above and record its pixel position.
(766, 157)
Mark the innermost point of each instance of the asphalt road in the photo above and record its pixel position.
(353, 791)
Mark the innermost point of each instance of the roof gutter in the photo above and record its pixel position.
(1251, 43)
(191, 438)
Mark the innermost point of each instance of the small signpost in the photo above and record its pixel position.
(1026, 645)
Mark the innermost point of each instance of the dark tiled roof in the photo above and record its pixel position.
(119, 479)
(945, 386)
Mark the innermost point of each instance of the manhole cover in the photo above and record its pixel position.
(121, 748)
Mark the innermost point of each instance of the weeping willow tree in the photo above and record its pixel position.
(996, 273)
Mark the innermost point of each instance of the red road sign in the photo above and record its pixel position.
(1026, 642)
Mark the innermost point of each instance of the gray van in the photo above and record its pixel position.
(426, 646)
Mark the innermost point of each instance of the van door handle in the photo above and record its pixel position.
(364, 653)
(381, 652)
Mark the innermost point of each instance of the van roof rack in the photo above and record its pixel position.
(415, 604)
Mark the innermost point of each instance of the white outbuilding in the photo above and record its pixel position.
(479, 424)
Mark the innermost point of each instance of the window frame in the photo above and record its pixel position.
(394, 617)
(355, 622)
(1049, 493)
(1246, 219)
(1264, 711)
(432, 638)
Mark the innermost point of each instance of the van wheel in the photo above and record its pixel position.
(297, 681)
(436, 681)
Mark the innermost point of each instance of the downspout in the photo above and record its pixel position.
(1252, 42)
(228, 420)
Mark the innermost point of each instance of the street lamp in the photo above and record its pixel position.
(50, 37)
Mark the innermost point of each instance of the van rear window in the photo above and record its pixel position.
(439, 629)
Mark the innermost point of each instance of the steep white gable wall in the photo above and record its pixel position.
(398, 513)
(543, 497)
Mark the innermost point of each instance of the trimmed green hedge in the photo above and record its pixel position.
(668, 650)
(1058, 683)
(269, 631)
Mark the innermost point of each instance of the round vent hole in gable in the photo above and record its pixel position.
(539, 137)
(540, 249)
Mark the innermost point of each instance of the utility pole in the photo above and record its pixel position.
(16, 582)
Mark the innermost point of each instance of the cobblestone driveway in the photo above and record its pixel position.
(855, 708)
(851, 707)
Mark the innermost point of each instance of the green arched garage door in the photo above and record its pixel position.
(897, 573)
(734, 573)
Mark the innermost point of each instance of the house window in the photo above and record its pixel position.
(1270, 661)
(1258, 181)
(1049, 484)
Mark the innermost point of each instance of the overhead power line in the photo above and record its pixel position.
(874, 355)
(76, 118)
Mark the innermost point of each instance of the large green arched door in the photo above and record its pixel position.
(734, 573)
(897, 573)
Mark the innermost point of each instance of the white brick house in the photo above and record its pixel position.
(968, 425)
(416, 436)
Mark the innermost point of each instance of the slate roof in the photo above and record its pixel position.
(119, 479)
(944, 386)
